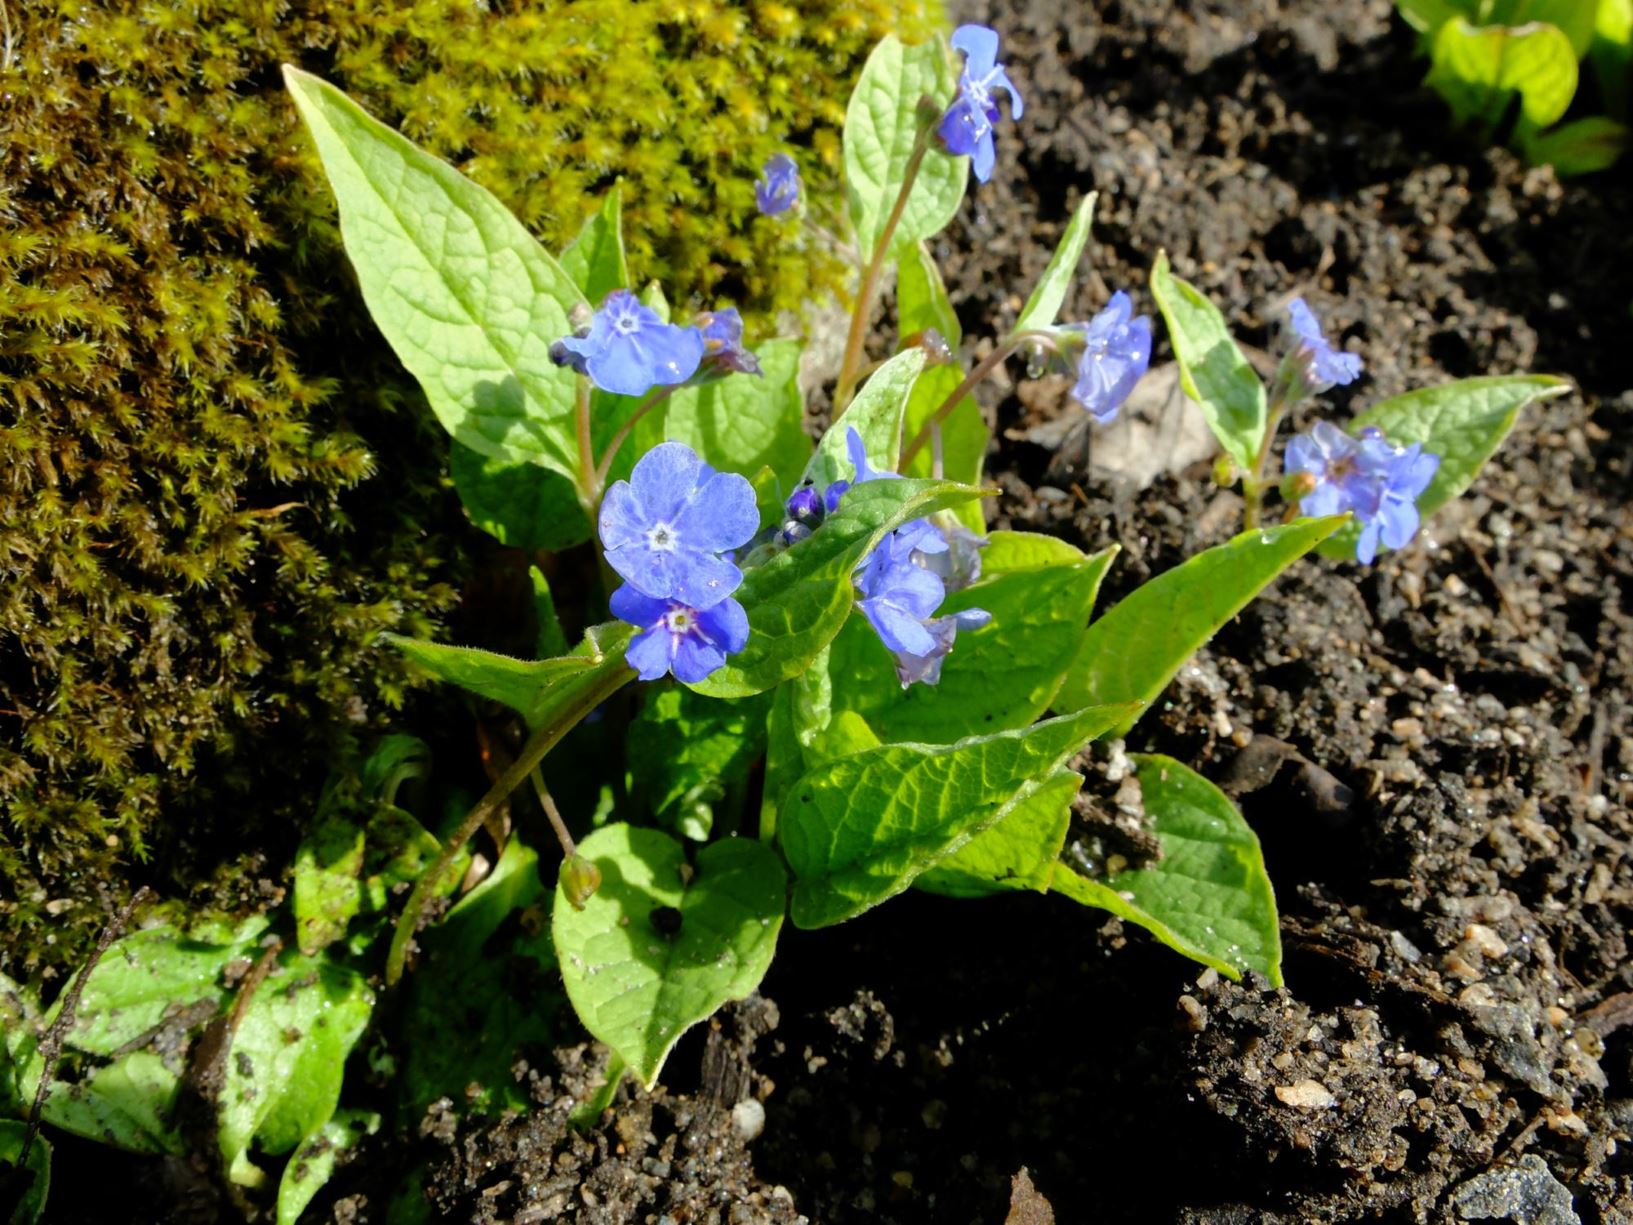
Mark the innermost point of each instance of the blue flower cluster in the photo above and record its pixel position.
(966, 127)
(904, 580)
(668, 531)
(1368, 476)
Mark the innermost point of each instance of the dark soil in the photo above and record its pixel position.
(1436, 751)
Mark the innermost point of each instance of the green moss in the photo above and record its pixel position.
(216, 486)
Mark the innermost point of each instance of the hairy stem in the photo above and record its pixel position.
(548, 803)
(589, 491)
(1253, 483)
(850, 364)
(538, 745)
(624, 431)
(984, 367)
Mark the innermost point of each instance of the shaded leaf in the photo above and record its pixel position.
(313, 1163)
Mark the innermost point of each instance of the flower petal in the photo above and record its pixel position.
(726, 624)
(665, 479)
(980, 47)
(648, 653)
(720, 515)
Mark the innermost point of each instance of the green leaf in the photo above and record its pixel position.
(1612, 54)
(465, 296)
(1427, 16)
(394, 760)
(922, 303)
(288, 1053)
(1020, 852)
(126, 1104)
(595, 259)
(859, 829)
(477, 997)
(799, 599)
(740, 423)
(1040, 592)
(31, 1206)
(328, 863)
(1579, 147)
(519, 504)
(140, 980)
(638, 983)
(550, 639)
(1208, 897)
(1132, 652)
(685, 749)
(1463, 422)
(535, 689)
(313, 1163)
(1575, 18)
(1212, 368)
(881, 126)
(1051, 290)
(876, 415)
(1477, 68)
(399, 850)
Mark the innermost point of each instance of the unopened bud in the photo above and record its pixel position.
(579, 880)
(1224, 472)
(580, 315)
(1297, 485)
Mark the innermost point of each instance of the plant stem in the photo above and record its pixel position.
(548, 803)
(589, 493)
(538, 745)
(1253, 484)
(851, 362)
(624, 431)
(984, 367)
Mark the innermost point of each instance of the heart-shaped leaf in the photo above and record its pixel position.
(662, 944)
(1209, 896)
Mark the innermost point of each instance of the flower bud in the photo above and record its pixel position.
(579, 880)
(1298, 485)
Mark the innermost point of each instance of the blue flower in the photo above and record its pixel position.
(926, 668)
(1311, 364)
(1377, 482)
(899, 596)
(630, 349)
(1386, 506)
(664, 528)
(1327, 455)
(1116, 353)
(677, 637)
(966, 128)
(723, 341)
(779, 190)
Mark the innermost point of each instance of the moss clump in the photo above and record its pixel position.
(216, 487)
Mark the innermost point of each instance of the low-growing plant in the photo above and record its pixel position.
(849, 686)
(1514, 67)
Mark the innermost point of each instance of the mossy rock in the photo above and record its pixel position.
(216, 486)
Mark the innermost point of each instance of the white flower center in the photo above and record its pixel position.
(679, 620)
(661, 538)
